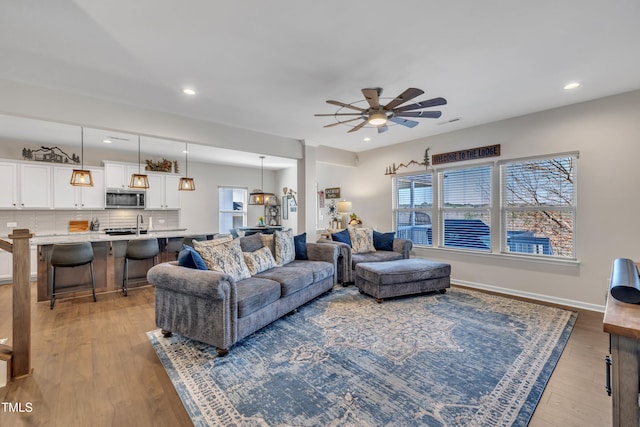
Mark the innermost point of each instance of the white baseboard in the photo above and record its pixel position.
(530, 295)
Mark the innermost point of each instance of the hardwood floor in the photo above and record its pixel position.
(93, 366)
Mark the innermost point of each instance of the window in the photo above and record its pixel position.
(466, 208)
(539, 206)
(232, 204)
(413, 203)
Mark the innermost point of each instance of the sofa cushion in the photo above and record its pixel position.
(284, 247)
(374, 257)
(190, 258)
(342, 236)
(226, 258)
(255, 293)
(321, 269)
(251, 243)
(361, 240)
(259, 260)
(383, 241)
(291, 279)
(300, 243)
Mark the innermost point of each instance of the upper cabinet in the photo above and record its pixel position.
(118, 175)
(163, 191)
(66, 196)
(35, 186)
(9, 193)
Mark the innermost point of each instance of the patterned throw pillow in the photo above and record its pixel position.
(225, 257)
(284, 246)
(361, 240)
(259, 261)
(269, 242)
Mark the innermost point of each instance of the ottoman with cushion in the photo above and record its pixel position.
(402, 277)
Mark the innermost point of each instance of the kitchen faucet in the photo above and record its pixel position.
(139, 221)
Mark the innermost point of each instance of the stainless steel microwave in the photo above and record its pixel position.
(124, 199)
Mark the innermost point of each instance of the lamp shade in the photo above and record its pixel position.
(81, 178)
(344, 207)
(258, 197)
(139, 181)
(186, 184)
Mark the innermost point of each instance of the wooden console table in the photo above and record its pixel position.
(622, 322)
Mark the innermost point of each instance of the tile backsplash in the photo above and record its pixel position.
(43, 222)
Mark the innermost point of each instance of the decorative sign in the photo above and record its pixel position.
(332, 193)
(50, 154)
(470, 154)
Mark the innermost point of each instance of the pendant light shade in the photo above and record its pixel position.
(81, 177)
(138, 180)
(259, 197)
(186, 184)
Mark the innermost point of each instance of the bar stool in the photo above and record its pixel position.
(190, 239)
(138, 249)
(70, 255)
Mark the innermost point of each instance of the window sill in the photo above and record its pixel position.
(500, 255)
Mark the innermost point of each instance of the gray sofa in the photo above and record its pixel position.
(347, 260)
(211, 307)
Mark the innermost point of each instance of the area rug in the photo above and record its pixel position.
(463, 358)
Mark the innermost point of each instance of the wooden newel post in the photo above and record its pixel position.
(21, 365)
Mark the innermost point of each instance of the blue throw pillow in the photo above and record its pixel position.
(189, 257)
(342, 236)
(300, 243)
(383, 241)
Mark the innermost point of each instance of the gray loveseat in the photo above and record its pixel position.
(347, 260)
(211, 307)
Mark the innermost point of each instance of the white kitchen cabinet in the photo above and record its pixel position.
(9, 193)
(66, 196)
(35, 186)
(118, 175)
(163, 192)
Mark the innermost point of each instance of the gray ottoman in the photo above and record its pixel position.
(402, 277)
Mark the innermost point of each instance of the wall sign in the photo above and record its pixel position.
(470, 154)
(332, 193)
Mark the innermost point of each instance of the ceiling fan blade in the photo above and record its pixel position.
(429, 114)
(339, 123)
(358, 127)
(338, 114)
(405, 96)
(404, 122)
(372, 96)
(382, 128)
(422, 104)
(342, 104)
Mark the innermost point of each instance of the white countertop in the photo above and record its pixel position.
(97, 236)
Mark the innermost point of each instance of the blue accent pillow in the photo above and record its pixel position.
(300, 243)
(383, 241)
(342, 236)
(190, 258)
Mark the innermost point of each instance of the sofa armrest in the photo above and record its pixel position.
(403, 246)
(189, 281)
(345, 270)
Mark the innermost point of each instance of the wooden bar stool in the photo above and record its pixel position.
(69, 255)
(138, 249)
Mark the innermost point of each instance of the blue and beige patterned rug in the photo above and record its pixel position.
(464, 358)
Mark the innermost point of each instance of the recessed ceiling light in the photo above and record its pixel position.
(188, 91)
(185, 151)
(367, 139)
(571, 85)
(106, 141)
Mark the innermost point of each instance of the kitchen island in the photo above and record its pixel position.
(108, 263)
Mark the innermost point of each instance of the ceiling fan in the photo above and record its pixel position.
(379, 115)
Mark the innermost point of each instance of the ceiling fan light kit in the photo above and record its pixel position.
(379, 115)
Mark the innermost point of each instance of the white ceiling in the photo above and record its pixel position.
(270, 65)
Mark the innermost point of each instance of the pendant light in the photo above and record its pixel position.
(81, 177)
(259, 197)
(138, 180)
(186, 184)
